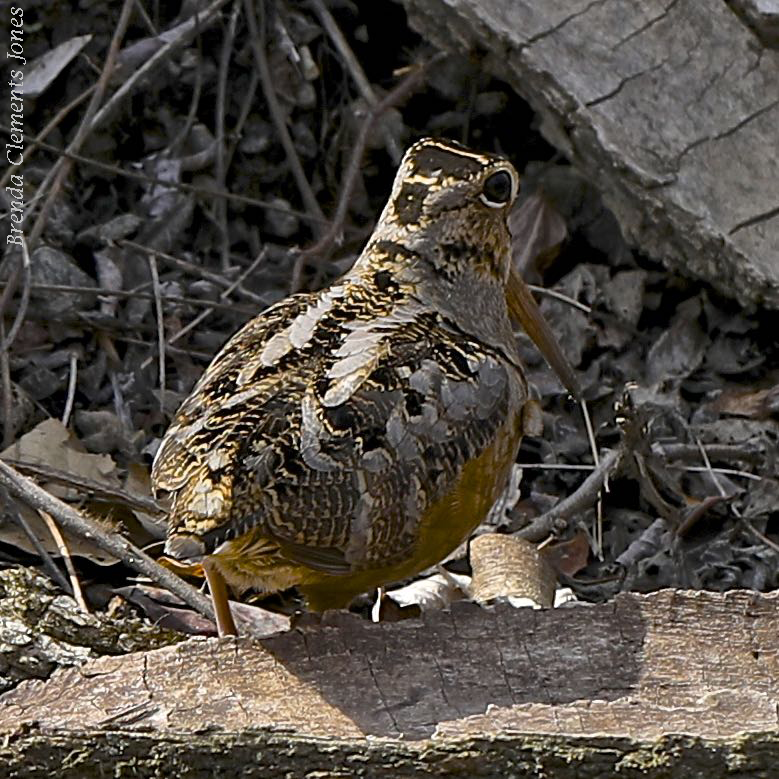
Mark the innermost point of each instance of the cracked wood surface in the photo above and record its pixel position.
(682, 684)
(673, 662)
(671, 107)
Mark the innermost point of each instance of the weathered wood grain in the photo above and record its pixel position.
(680, 676)
(670, 106)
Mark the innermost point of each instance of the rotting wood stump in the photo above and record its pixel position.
(673, 683)
(671, 107)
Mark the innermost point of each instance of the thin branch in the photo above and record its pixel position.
(598, 534)
(5, 378)
(59, 540)
(723, 471)
(587, 493)
(37, 142)
(54, 180)
(23, 303)
(219, 124)
(676, 451)
(146, 20)
(160, 327)
(196, 270)
(88, 487)
(40, 550)
(72, 376)
(358, 74)
(183, 34)
(765, 539)
(258, 43)
(690, 468)
(74, 522)
(141, 295)
(553, 293)
(243, 115)
(223, 295)
(177, 185)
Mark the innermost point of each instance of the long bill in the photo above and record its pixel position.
(524, 309)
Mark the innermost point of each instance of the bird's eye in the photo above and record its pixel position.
(498, 189)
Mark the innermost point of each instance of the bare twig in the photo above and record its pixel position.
(713, 475)
(120, 405)
(88, 487)
(136, 293)
(691, 468)
(40, 550)
(243, 115)
(59, 540)
(93, 117)
(690, 452)
(553, 293)
(208, 311)
(258, 42)
(23, 303)
(146, 19)
(762, 537)
(637, 464)
(160, 327)
(598, 534)
(694, 515)
(183, 34)
(205, 356)
(555, 467)
(203, 192)
(219, 125)
(74, 522)
(190, 267)
(358, 74)
(37, 142)
(556, 518)
(223, 295)
(7, 340)
(723, 471)
(72, 375)
(5, 377)
(56, 177)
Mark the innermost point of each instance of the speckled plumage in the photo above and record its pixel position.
(351, 437)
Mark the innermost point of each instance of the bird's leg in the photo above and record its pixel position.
(225, 625)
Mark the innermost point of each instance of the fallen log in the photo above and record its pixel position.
(674, 683)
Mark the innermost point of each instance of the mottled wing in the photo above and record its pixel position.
(196, 459)
(337, 469)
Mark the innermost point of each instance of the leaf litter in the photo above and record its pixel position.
(692, 377)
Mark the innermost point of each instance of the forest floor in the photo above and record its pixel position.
(176, 216)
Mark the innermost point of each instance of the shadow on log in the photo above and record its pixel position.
(675, 682)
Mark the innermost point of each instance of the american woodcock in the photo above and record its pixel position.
(352, 437)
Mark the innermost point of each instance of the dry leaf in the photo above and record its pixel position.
(44, 69)
(432, 593)
(537, 231)
(754, 404)
(50, 443)
(568, 557)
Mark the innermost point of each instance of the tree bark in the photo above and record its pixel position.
(671, 107)
(673, 683)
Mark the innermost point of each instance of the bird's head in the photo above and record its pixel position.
(450, 206)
